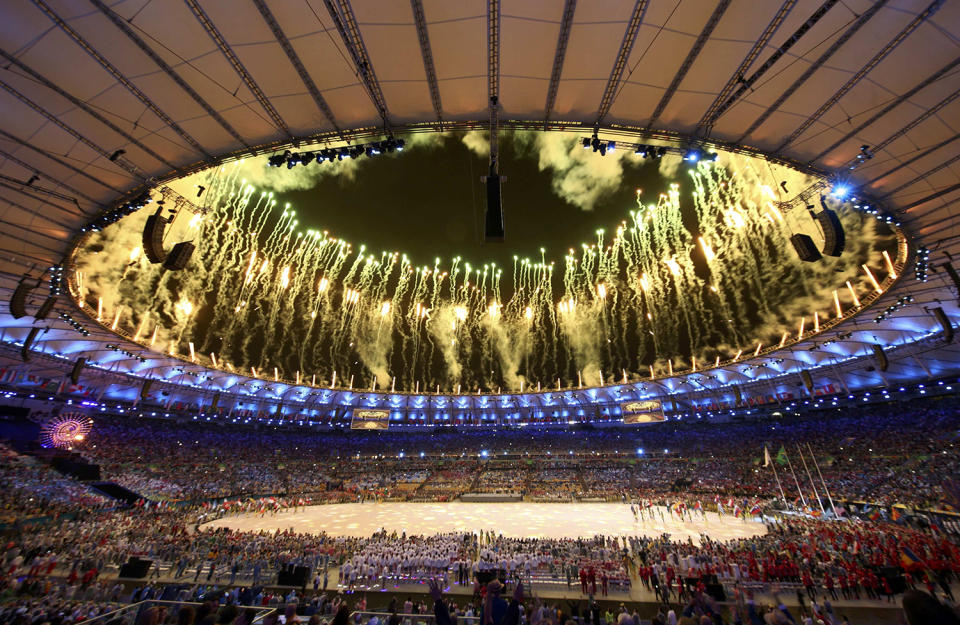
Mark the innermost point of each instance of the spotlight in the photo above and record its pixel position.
(307, 157)
(692, 155)
(586, 143)
(921, 265)
(611, 146)
(116, 155)
(840, 191)
(642, 150)
(200, 189)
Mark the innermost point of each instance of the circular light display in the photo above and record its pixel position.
(626, 264)
(66, 430)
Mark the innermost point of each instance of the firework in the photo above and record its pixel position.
(682, 278)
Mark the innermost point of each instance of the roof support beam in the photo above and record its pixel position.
(834, 47)
(425, 51)
(35, 213)
(915, 158)
(937, 75)
(493, 81)
(866, 69)
(19, 188)
(569, 7)
(238, 66)
(118, 76)
(121, 162)
(720, 106)
(83, 106)
(626, 46)
(924, 175)
(343, 19)
(688, 62)
(169, 71)
(44, 175)
(929, 198)
(296, 62)
(705, 125)
(6, 135)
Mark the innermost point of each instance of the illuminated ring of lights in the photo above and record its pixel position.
(902, 254)
(66, 430)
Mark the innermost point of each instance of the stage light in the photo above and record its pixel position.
(840, 191)
(586, 143)
(639, 451)
(691, 156)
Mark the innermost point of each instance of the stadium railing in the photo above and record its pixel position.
(131, 613)
(364, 616)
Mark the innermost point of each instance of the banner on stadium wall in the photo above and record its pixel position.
(370, 420)
(642, 411)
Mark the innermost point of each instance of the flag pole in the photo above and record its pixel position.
(810, 477)
(773, 465)
(803, 499)
(822, 481)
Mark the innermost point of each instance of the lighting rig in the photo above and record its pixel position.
(921, 266)
(691, 153)
(127, 208)
(56, 280)
(291, 159)
(69, 320)
(902, 302)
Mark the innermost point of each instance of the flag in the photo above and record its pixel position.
(895, 514)
(736, 511)
(782, 456)
(874, 515)
(908, 558)
(755, 510)
(766, 457)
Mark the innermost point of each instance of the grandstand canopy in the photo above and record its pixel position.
(101, 100)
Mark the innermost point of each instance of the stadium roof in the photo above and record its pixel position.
(100, 99)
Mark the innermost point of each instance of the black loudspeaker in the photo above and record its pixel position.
(949, 268)
(738, 396)
(293, 576)
(25, 350)
(897, 582)
(805, 247)
(945, 323)
(18, 302)
(881, 356)
(179, 256)
(493, 225)
(145, 389)
(153, 237)
(807, 381)
(77, 368)
(716, 592)
(135, 568)
(833, 237)
(45, 308)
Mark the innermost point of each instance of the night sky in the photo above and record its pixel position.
(428, 202)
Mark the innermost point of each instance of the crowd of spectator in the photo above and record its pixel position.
(904, 459)
(895, 454)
